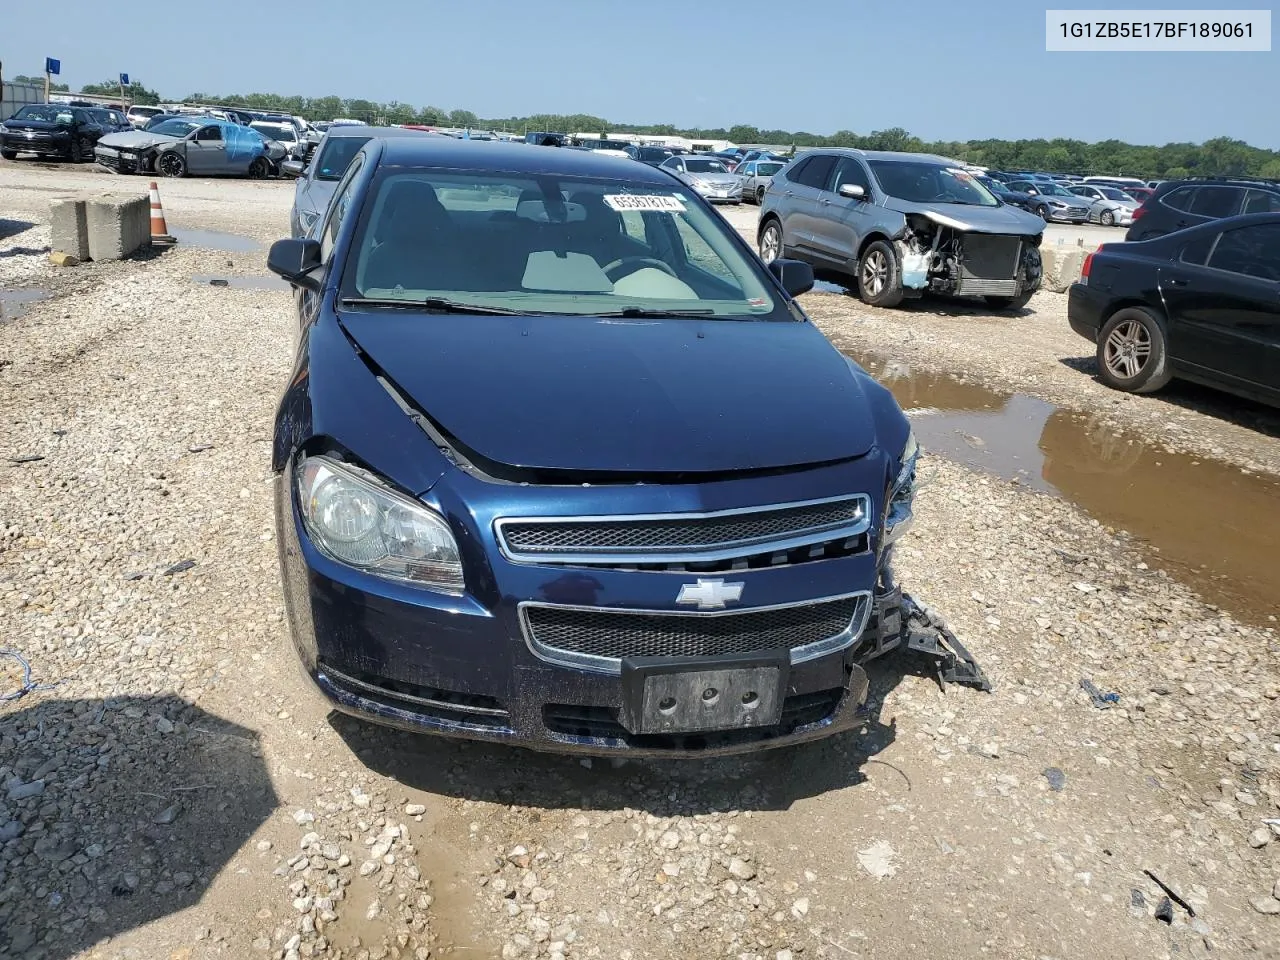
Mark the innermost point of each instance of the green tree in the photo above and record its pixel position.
(134, 92)
(39, 82)
(463, 118)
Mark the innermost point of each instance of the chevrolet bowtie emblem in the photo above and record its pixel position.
(710, 594)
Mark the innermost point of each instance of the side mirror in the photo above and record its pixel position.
(293, 168)
(852, 190)
(796, 276)
(294, 260)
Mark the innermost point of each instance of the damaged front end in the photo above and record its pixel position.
(940, 254)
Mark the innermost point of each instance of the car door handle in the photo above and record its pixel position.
(825, 201)
(1177, 282)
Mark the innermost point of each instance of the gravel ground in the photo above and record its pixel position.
(180, 794)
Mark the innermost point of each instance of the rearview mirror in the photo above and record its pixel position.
(293, 168)
(294, 260)
(796, 276)
(852, 190)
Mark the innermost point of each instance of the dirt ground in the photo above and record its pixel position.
(182, 795)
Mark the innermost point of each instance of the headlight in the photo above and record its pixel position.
(898, 516)
(308, 218)
(357, 520)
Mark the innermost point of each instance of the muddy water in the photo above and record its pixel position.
(243, 283)
(215, 240)
(1206, 522)
(13, 303)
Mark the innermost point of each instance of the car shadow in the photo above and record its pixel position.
(115, 813)
(933, 303)
(1193, 396)
(11, 228)
(772, 779)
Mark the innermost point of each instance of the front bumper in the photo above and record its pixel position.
(121, 161)
(720, 194)
(37, 142)
(1070, 215)
(451, 666)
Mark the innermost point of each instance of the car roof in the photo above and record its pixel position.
(889, 155)
(426, 151)
(362, 130)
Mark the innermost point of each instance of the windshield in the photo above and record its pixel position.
(510, 241)
(45, 112)
(336, 156)
(704, 165)
(768, 169)
(276, 131)
(924, 182)
(176, 127)
(1053, 190)
(1111, 193)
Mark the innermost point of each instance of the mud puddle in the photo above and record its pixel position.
(13, 303)
(1206, 522)
(216, 240)
(242, 283)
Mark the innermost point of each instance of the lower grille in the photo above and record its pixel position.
(601, 723)
(423, 701)
(986, 257)
(600, 638)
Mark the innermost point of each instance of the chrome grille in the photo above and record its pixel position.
(682, 538)
(600, 638)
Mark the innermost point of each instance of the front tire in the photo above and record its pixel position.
(1132, 352)
(879, 276)
(9, 154)
(1010, 303)
(759, 196)
(75, 152)
(1107, 218)
(1042, 212)
(259, 169)
(771, 241)
(171, 164)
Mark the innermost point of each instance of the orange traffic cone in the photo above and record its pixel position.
(159, 229)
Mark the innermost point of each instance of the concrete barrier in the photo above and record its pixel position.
(117, 225)
(101, 226)
(69, 228)
(1062, 265)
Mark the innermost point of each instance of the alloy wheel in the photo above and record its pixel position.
(770, 243)
(875, 273)
(1127, 350)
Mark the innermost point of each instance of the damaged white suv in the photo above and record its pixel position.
(899, 225)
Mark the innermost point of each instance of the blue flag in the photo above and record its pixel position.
(124, 79)
(52, 66)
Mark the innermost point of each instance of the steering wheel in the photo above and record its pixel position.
(635, 263)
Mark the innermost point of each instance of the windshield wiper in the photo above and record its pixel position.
(429, 305)
(647, 312)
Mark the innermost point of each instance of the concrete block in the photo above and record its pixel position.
(118, 225)
(1062, 265)
(69, 227)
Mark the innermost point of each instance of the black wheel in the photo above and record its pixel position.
(259, 169)
(1042, 211)
(759, 195)
(9, 154)
(170, 164)
(76, 151)
(1107, 218)
(1010, 303)
(879, 276)
(1131, 351)
(771, 241)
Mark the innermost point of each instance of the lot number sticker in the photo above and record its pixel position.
(632, 201)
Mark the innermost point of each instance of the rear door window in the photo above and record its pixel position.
(1197, 251)
(795, 171)
(1217, 202)
(817, 172)
(1180, 199)
(1261, 201)
(1250, 251)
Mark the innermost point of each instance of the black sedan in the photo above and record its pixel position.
(1002, 192)
(51, 129)
(1201, 304)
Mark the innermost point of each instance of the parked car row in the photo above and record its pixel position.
(58, 130)
(179, 146)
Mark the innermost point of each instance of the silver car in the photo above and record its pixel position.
(708, 176)
(756, 176)
(181, 146)
(1110, 206)
(1053, 202)
(318, 179)
(899, 225)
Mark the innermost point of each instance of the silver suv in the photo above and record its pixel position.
(899, 224)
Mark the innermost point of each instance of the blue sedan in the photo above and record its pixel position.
(562, 464)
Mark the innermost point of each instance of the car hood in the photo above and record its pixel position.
(1001, 219)
(625, 396)
(720, 179)
(15, 124)
(136, 139)
(314, 195)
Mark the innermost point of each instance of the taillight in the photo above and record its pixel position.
(1084, 268)
(1142, 209)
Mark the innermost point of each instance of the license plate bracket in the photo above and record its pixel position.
(701, 695)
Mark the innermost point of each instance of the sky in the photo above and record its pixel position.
(941, 69)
